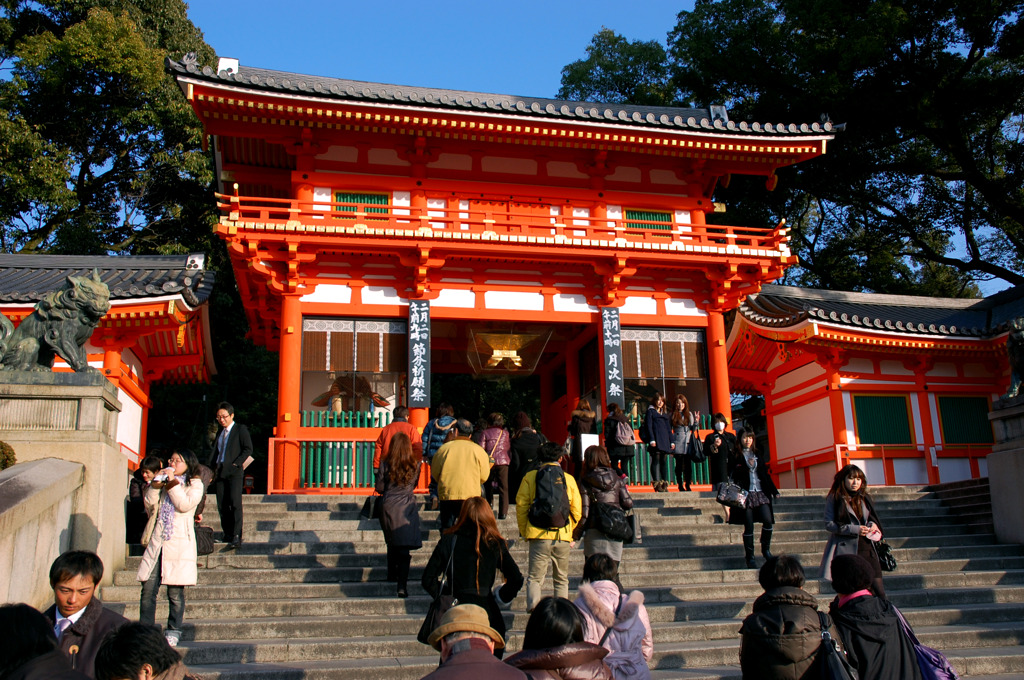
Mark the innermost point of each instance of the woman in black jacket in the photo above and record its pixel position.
(600, 484)
(657, 433)
(399, 517)
(619, 454)
(720, 449)
(477, 551)
(583, 421)
(750, 473)
(522, 451)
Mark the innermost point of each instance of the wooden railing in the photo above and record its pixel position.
(274, 212)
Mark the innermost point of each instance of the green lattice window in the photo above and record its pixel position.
(882, 420)
(648, 219)
(965, 420)
(366, 200)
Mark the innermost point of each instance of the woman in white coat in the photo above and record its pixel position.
(616, 621)
(170, 557)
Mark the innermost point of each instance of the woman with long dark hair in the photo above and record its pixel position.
(171, 556)
(852, 524)
(720, 448)
(620, 454)
(750, 473)
(657, 433)
(555, 646)
(600, 484)
(583, 421)
(399, 517)
(477, 552)
(684, 425)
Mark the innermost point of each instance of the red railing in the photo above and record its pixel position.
(498, 222)
(840, 455)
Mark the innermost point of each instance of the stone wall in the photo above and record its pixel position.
(38, 502)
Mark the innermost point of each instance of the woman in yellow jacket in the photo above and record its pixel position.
(547, 544)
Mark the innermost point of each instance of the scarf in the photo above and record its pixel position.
(167, 511)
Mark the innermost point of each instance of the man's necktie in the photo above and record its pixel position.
(62, 626)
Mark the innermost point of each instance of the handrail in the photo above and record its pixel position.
(492, 223)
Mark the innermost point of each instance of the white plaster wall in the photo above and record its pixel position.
(572, 303)
(983, 467)
(329, 292)
(382, 295)
(502, 299)
(515, 166)
(129, 423)
(463, 298)
(889, 367)
(343, 154)
(874, 470)
(909, 471)
(798, 376)
(943, 369)
(564, 169)
(859, 365)
(639, 305)
(802, 429)
(683, 307)
(954, 469)
(821, 476)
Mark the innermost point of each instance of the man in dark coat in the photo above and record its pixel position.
(231, 449)
(868, 626)
(78, 618)
(467, 642)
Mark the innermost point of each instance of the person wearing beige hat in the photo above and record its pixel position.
(467, 643)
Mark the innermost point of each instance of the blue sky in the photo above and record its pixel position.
(516, 48)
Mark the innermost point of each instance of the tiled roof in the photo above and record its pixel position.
(619, 114)
(785, 306)
(27, 278)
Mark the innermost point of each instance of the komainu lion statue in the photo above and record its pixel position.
(1015, 348)
(59, 327)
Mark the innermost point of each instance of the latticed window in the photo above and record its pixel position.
(362, 202)
(648, 219)
(668, 361)
(882, 419)
(965, 420)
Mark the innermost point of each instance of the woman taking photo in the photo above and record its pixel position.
(555, 646)
(657, 433)
(720, 448)
(170, 557)
(616, 621)
(477, 551)
(600, 484)
(582, 422)
(684, 426)
(399, 517)
(619, 454)
(750, 473)
(852, 524)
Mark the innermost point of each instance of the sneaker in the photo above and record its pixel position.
(172, 637)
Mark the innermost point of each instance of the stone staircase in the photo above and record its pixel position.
(305, 596)
(970, 500)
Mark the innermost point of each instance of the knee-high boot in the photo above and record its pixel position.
(391, 564)
(404, 559)
(766, 542)
(748, 550)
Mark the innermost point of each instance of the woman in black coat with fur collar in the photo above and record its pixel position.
(748, 470)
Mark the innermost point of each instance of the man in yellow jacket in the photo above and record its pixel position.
(460, 467)
(547, 545)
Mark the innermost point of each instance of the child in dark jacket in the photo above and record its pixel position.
(135, 513)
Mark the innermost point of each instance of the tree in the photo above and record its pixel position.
(101, 151)
(618, 70)
(921, 192)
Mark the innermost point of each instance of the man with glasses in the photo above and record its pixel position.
(231, 449)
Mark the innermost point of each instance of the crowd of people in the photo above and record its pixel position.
(561, 495)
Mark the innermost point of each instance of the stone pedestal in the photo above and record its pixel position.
(73, 416)
(1006, 469)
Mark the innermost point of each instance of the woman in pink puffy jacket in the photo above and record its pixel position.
(617, 622)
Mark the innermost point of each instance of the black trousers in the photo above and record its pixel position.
(499, 477)
(229, 505)
(684, 470)
(449, 512)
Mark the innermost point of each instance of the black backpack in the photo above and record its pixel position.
(550, 508)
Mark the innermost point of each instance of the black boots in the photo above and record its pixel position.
(766, 542)
(748, 550)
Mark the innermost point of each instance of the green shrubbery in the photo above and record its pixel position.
(7, 458)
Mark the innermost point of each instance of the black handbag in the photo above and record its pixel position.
(695, 449)
(732, 495)
(885, 557)
(371, 507)
(204, 540)
(831, 659)
(440, 604)
(611, 521)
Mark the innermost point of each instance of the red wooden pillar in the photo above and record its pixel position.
(286, 476)
(719, 365)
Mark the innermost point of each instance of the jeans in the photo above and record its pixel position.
(175, 599)
(542, 551)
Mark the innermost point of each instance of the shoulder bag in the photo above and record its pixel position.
(732, 495)
(833, 662)
(444, 601)
(372, 506)
(934, 665)
(204, 540)
(885, 557)
(695, 449)
(611, 521)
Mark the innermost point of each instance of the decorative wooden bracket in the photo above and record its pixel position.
(421, 263)
(613, 274)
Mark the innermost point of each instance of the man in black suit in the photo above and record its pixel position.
(231, 448)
